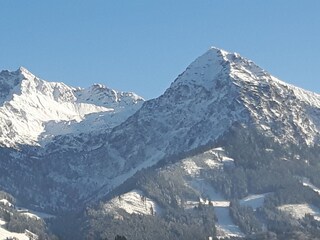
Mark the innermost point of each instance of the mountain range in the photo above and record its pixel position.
(228, 150)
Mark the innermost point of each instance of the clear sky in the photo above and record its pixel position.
(142, 45)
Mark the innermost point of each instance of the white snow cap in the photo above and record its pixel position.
(33, 111)
(25, 72)
(219, 50)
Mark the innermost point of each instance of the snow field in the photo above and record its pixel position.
(133, 202)
(4, 234)
(255, 200)
(298, 211)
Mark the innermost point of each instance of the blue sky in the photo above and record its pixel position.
(143, 45)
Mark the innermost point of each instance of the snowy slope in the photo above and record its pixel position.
(288, 113)
(255, 200)
(306, 182)
(5, 234)
(208, 195)
(186, 173)
(298, 211)
(34, 111)
(191, 171)
(225, 225)
(133, 202)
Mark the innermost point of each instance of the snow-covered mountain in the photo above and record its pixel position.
(217, 92)
(78, 146)
(233, 89)
(34, 111)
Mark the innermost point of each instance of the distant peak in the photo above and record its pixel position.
(217, 66)
(218, 50)
(23, 69)
(25, 72)
(219, 55)
(98, 86)
(226, 54)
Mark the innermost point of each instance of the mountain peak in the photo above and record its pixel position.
(217, 66)
(25, 73)
(205, 70)
(228, 80)
(218, 50)
(23, 69)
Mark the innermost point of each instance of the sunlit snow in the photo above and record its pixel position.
(133, 202)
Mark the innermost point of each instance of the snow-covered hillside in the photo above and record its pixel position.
(198, 191)
(34, 111)
(215, 159)
(255, 200)
(8, 207)
(299, 211)
(5, 234)
(133, 202)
